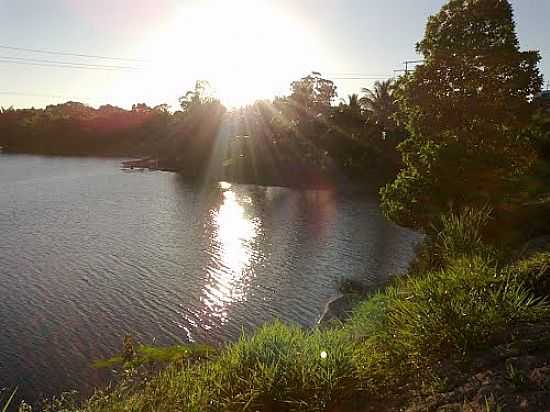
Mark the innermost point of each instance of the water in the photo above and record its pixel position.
(89, 253)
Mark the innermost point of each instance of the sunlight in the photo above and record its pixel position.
(233, 235)
(246, 49)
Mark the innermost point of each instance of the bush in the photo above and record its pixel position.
(456, 310)
(286, 368)
(443, 314)
(454, 235)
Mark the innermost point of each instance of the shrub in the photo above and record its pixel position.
(286, 368)
(454, 235)
(456, 310)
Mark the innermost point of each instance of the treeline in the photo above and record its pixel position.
(307, 137)
(465, 128)
(73, 128)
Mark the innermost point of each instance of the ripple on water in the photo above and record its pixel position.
(89, 254)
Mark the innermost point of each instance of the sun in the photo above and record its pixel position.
(247, 50)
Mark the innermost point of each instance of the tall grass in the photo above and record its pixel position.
(8, 401)
(280, 368)
(454, 235)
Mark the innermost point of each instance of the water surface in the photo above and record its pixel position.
(89, 253)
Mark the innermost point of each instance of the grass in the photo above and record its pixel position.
(452, 236)
(8, 401)
(445, 312)
(147, 355)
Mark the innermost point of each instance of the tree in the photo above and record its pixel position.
(141, 108)
(196, 130)
(312, 95)
(380, 105)
(200, 95)
(466, 109)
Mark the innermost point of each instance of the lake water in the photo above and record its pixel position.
(89, 253)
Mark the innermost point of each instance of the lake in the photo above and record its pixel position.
(90, 253)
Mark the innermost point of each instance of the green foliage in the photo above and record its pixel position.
(534, 273)
(297, 140)
(278, 368)
(455, 311)
(466, 109)
(146, 354)
(76, 129)
(285, 368)
(454, 235)
(312, 95)
(461, 233)
(380, 105)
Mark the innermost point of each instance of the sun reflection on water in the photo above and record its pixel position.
(232, 252)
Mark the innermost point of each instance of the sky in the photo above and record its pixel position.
(247, 49)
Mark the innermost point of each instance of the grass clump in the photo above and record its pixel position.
(146, 355)
(279, 368)
(286, 368)
(455, 310)
(5, 404)
(452, 236)
(534, 273)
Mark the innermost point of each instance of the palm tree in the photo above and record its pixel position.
(380, 105)
(352, 105)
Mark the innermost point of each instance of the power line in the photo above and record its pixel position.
(361, 78)
(93, 56)
(360, 74)
(64, 65)
(87, 65)
(406, 63)
(9, 93)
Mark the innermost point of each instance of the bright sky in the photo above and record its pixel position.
(247, 49)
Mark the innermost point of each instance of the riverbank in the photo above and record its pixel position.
(428, 340)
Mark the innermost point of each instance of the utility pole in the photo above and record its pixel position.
(407, 62)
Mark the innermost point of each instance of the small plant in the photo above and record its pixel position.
(490, 405)
(452, 236)
(440, 383)
(516, 377)
(9, 401)
(132, 357)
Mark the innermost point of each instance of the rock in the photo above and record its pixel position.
(337, 309)
(538, 244)
(540, 377)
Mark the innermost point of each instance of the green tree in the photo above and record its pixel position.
(312, 95)
(195, 132)
(465, 109)
(380, 105)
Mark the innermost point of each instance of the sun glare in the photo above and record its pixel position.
(246, 49)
